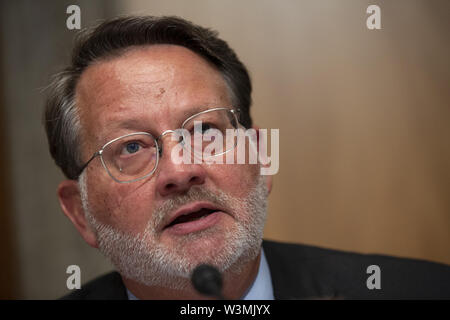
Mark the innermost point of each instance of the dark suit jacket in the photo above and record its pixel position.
(307, 272)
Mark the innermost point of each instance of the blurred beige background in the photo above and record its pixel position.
(364, 119)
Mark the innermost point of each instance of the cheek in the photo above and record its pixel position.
(126, 207)
(234, 179)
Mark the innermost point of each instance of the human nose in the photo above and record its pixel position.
(176, 178)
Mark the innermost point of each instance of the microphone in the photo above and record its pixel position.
(207, 280)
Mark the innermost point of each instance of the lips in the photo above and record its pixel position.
(203, 212)
(193, 217)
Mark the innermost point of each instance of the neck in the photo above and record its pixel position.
(235, 284)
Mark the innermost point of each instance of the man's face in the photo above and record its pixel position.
(153, 89)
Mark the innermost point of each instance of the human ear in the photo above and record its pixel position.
(70, 202)
(262, 155)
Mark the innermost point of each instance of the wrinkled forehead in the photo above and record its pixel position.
(145, 72)
(155, 82)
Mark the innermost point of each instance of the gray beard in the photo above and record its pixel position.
(143, 258)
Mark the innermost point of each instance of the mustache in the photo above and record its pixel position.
(195, 193)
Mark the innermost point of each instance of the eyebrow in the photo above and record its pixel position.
(132, 123)
(140, 125)
(197, 109)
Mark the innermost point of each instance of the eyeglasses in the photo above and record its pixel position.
(135, 156)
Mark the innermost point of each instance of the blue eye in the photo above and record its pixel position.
(132, 147)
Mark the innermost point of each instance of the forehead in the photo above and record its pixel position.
(152, 84)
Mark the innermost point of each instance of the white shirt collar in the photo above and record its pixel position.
(261, 288)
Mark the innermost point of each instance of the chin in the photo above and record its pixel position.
(199, 245)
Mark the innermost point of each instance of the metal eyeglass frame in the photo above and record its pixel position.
(99, 153)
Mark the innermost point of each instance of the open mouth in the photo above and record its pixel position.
(193, 216)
